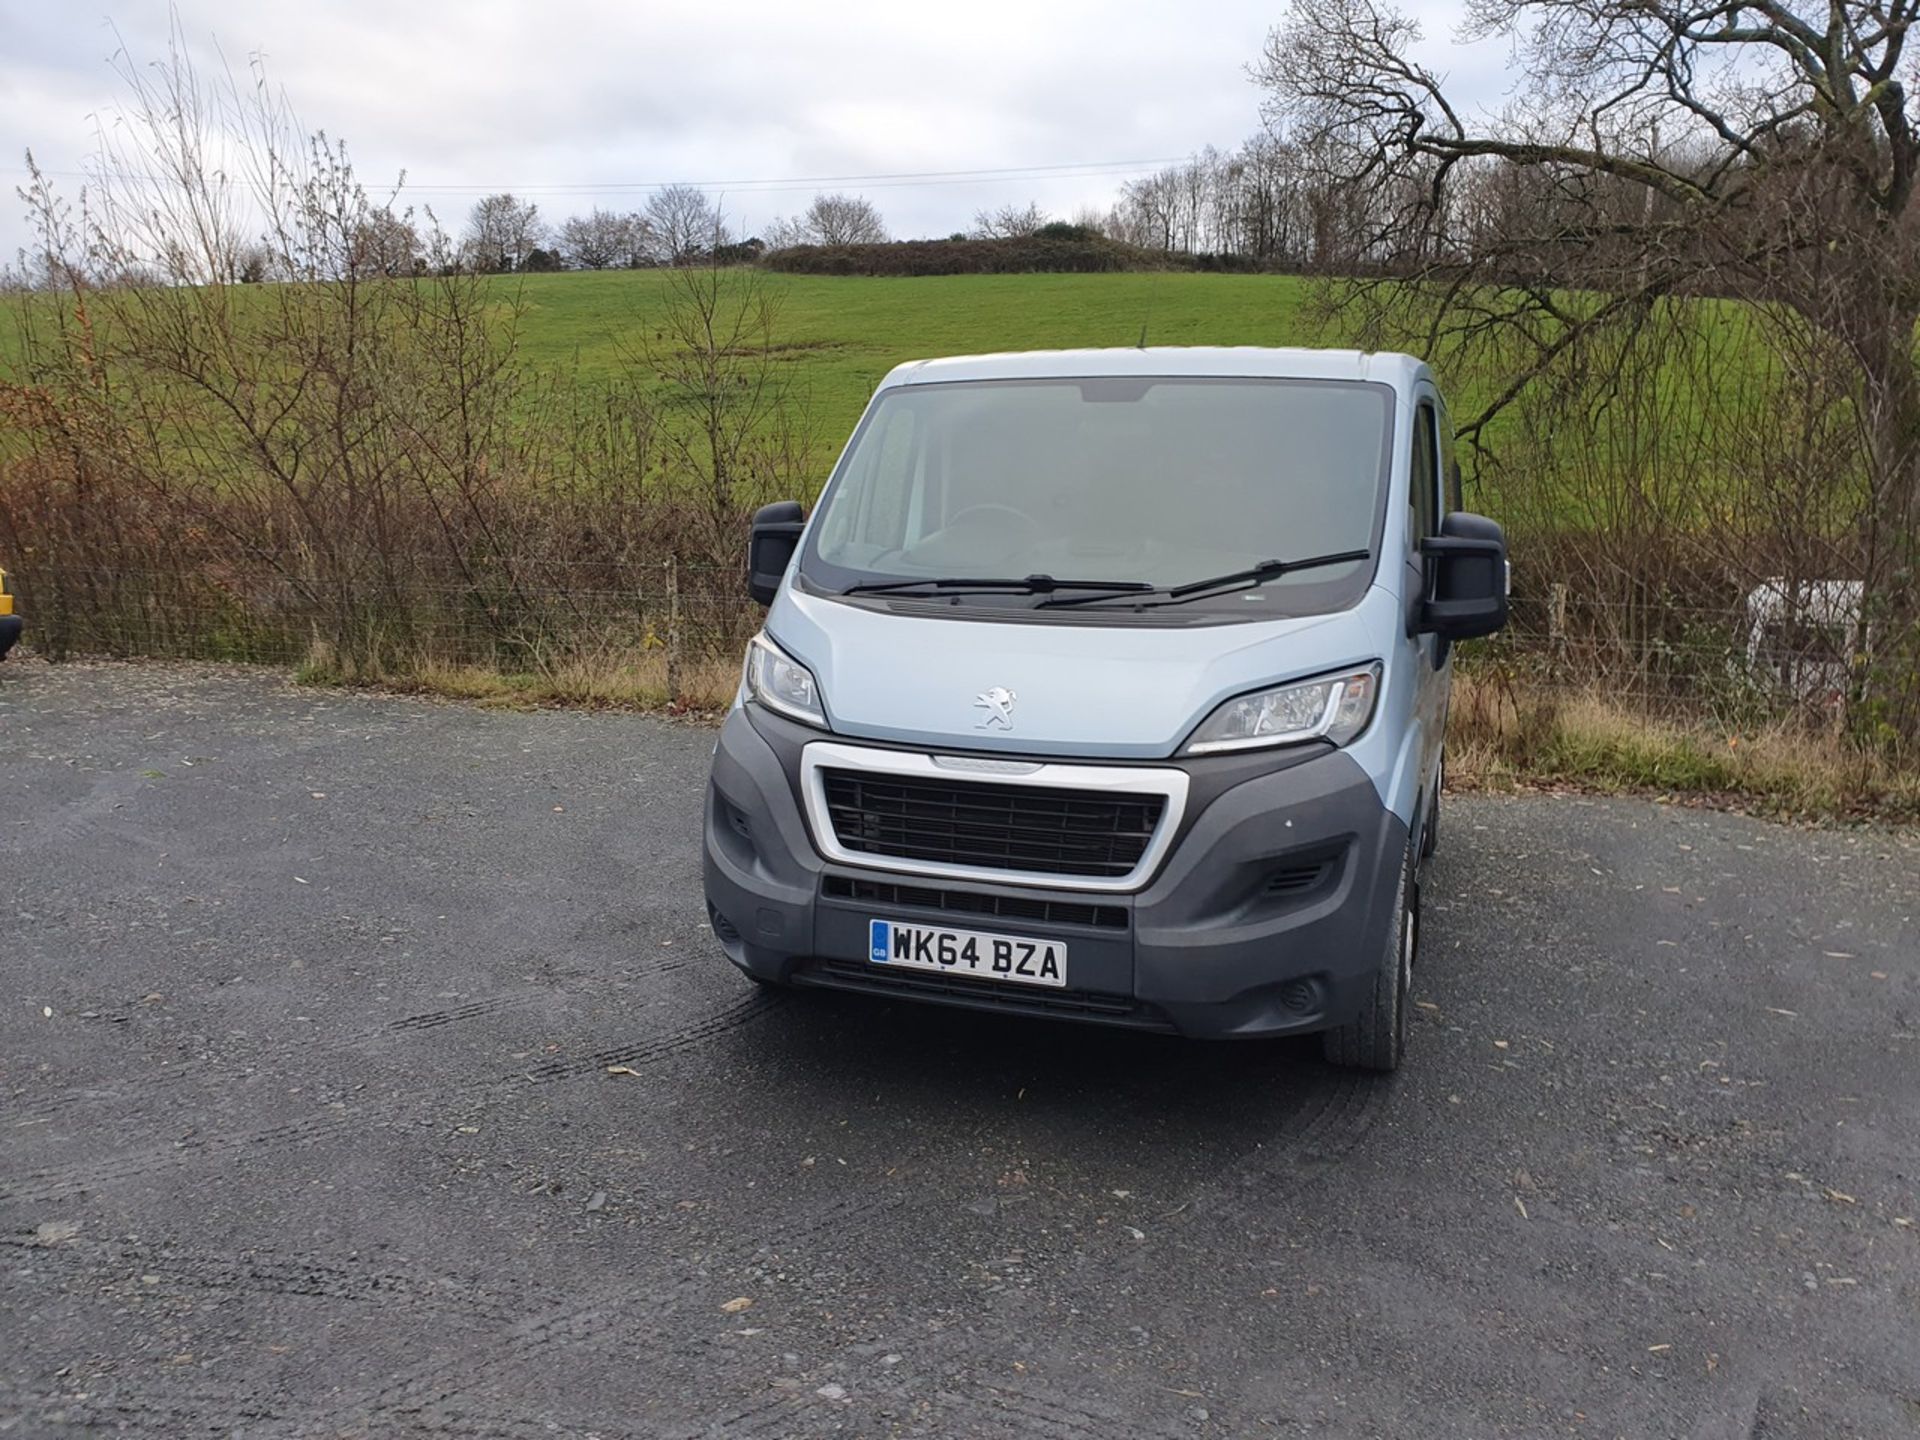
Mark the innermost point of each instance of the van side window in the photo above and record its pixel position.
(1423, 476)
(1449, 466)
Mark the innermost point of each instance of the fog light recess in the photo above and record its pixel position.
(1301, 996)
(722, 926)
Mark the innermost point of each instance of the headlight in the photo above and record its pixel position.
(782, 683)
(1334, 707)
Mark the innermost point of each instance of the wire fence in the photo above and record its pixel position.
(1769, 654)
(1760, 657)
(531, 612)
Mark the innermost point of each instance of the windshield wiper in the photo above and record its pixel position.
(1253, 575)
(1026, 585)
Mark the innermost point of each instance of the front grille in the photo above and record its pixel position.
(982, 994)
(1042, 829)
(971, 902)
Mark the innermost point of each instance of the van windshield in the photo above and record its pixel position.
(1141, 482)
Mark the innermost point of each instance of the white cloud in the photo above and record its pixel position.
(561, 96)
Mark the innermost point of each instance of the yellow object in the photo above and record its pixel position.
(6, 600)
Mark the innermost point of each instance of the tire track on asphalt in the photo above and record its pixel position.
(1330, 1121)
(1046, 1413)
(185, 1413)
(732, 1017)
(202, 1066)
(454, 1014)
(60, 1181)
(147, 1085)
(1039, 1413)
(269, 1273)
(198, 1410)
(628, 1314)
(1352, 1102)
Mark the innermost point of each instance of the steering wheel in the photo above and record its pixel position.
(990, 507)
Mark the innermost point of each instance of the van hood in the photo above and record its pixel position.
(1133, 691)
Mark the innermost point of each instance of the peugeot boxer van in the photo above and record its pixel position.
(1111, 686)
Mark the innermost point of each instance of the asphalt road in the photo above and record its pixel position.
(366, 1070)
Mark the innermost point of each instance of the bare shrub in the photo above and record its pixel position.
(351, 462)
(830, 220)
(682, 224)
(504, 232)
(602, 239)
(1666, 156)
(1009, 222)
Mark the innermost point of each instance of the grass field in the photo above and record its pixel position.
(837, 336)
(844, 334)
(841, 335)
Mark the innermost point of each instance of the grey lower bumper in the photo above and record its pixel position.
(1268, 915)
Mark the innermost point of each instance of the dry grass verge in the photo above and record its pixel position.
(1502, 736)
(627, 681)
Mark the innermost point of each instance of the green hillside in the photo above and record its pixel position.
(843, 334)
(837, 336)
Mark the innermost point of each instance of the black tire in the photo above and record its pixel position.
(1430, 832)
(1376, 1038)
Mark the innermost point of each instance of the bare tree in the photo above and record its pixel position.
(1091, 219)
(1009, 222)
(365, 474)
(830, 220)
(1761, 111)
(178, 212)
(1757, 150)
(639, 247)
(255, 264)
(714, 355)
(1265, 201)
(846, 220)
(599, 240)
(384, 243)
(502, 231)
(780, 233)
(684, 224)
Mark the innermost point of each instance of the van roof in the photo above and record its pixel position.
(1217, 361)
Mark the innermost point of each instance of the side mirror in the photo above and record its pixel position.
(770, 546)
(1466, 578)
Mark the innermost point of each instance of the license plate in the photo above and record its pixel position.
(968, 952)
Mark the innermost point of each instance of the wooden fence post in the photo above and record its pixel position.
(673, 632)
(1557, 623)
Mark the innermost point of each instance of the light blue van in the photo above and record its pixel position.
(1109, 685)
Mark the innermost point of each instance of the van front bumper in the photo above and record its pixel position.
(1267, 916)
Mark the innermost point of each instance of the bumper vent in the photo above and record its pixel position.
(722, 926)
(1299, 878)
(982, 994)
(972, 902)
(1040, 829)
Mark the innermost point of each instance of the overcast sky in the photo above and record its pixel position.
(568, 101)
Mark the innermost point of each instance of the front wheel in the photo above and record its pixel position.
(1376, 1038)
(1430, 832)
